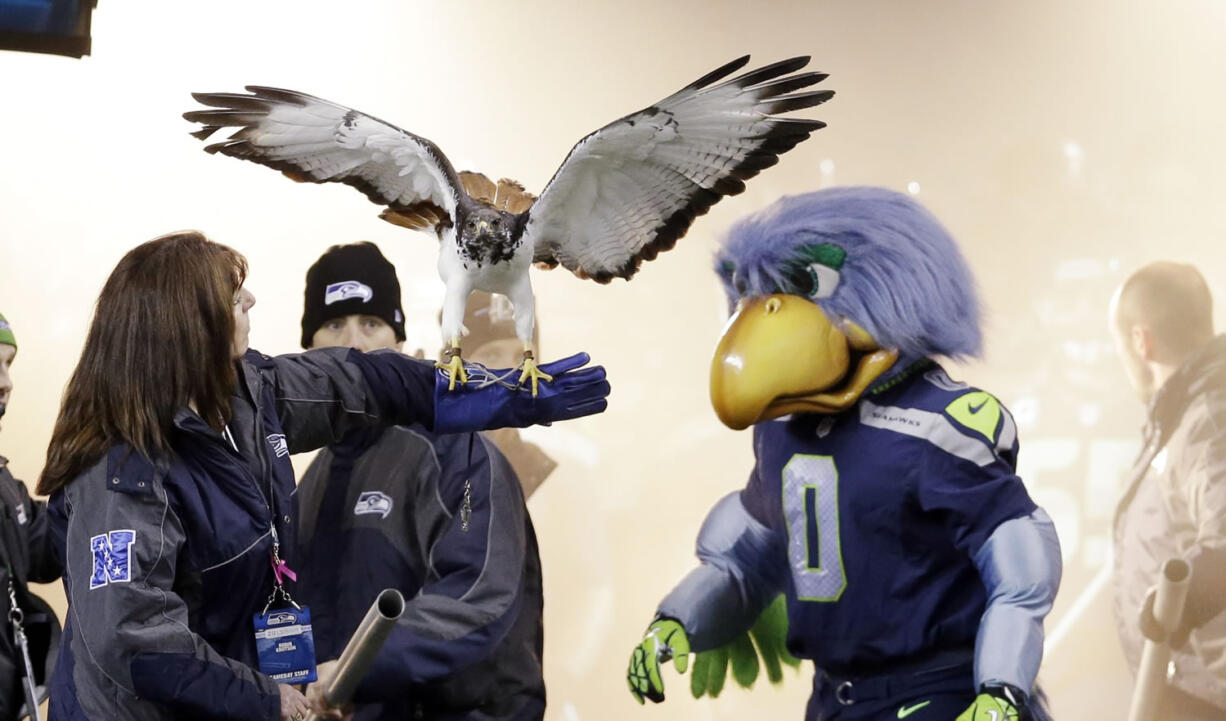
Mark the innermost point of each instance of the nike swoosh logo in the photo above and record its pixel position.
(906, 711)
(976, 409)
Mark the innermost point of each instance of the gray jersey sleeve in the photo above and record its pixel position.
(723, 597)
(1020, 566)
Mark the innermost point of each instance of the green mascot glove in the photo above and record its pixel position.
(996, 703)
(767, 638)
(710, 671)
(665, 639)
(770, 635)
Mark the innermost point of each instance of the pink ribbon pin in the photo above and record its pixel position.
(281, 568)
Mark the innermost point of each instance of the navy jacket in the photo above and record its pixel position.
(167, 560)
(442, 519)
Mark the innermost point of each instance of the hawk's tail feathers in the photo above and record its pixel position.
(506, 195)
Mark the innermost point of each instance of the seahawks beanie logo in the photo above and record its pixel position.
(347, 289)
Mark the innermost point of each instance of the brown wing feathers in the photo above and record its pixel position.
(419, 216)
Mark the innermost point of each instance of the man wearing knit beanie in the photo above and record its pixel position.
(352, 299)
(440, 517)
(26, 554)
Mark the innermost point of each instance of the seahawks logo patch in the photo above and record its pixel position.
(373, 502)
(336, 292)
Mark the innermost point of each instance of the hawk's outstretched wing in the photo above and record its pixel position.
(314, 140)
(629, 190)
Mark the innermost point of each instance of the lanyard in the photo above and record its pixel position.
(225, 433)
(280, 569)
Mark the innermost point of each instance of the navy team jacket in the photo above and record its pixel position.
(166, 561)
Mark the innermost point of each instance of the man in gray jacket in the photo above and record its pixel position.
(438, 516)
(1175, 503)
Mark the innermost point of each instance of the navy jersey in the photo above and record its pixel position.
(877, 513)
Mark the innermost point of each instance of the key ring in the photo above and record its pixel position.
(279, 590)
(16, 615)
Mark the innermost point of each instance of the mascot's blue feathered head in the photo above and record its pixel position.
(901, 276)
(887, 280)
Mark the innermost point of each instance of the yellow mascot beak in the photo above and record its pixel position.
(780, 354)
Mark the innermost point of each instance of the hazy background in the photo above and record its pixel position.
(1063, 143)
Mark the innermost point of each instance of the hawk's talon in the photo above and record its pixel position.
(531, 370)
(454, 367)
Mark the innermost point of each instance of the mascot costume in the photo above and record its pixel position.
(883, 504)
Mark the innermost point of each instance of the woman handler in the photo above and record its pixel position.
(171, 484)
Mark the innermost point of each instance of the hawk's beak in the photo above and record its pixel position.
(780, 354)
(483, 227)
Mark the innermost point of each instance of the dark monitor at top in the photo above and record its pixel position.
(60, 27)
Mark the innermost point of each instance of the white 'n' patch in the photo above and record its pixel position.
(112, 554)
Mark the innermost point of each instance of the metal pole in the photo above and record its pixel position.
(27, 678)
(362, 648)
(1168, 610)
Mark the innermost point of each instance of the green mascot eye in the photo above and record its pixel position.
(816, 272)
(824, 280)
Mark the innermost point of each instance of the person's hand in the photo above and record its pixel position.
(665, 639)
(1154, 631)
(995, 703)
(293, 703)
(493, 398)
(315, 693)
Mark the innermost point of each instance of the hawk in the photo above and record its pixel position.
(625, 193)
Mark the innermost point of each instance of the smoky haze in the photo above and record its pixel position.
(1064, 144)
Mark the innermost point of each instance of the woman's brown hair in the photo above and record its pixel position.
(161, 338)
